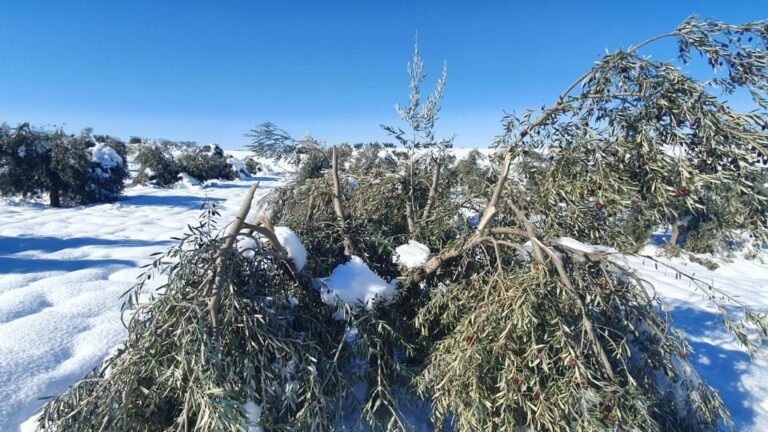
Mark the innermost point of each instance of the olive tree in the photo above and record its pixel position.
(515, 320)
(70, 169)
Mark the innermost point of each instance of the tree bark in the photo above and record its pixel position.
(55, 196)
(337, 207)
(432, 191)
(409, 216)
(234, 228)
(676, 231)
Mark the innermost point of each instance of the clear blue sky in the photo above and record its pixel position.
(209, 71)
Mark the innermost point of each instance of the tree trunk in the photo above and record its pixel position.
(337, 207)
(409, 217)
(432, 191)
(55, 196)
(676, 231)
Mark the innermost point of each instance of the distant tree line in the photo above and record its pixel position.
(161, 162)
(85, 168)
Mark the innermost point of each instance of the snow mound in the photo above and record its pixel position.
(105, 156)
(246, 246)
(411, 255)
(239, 168)
(354, 281)
(287, 238)
(252, 412)
(293, 245)
(188, 181)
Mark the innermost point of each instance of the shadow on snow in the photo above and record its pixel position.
(25, 264)
(721, 368)
(186, 201)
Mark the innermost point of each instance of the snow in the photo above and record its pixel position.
(386, 155)
(719, 360)
(290, 241)
(353, 282)
(239, 167)
(574, 245)
(105, 156)
(63, 272)
(352, 183)
(252, 412)
(411, 255)
(187, 181)
(247, 246)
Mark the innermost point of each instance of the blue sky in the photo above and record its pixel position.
(209, 71)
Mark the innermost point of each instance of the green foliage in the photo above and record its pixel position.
(161, 162)
(641, 139)
(204, 165)
(23, 160)
(69, 167)
(515, 356)
(506, 339)
(421, 119)
(510, 324)
(156, 165)
(179, 371)
(252, 165)
(271, 142)
(36, 161)
(106, 183)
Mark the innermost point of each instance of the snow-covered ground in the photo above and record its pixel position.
(62, 275)
(741, 382)
(63, 271)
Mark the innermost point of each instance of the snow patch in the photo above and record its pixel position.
(411, 255)
(252, 412)
(149, 172)
(105, 156)
(574, 245)
(287, 238)
(354, 281)
(247, 247)
(386, 155)
(352, 183)
(239, 168)
(293, 245)
(188, 181)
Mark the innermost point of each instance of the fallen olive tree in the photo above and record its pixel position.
(496, 316)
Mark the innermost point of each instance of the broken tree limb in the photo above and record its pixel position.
(563, 104)
(269, 233)
(234, 228)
